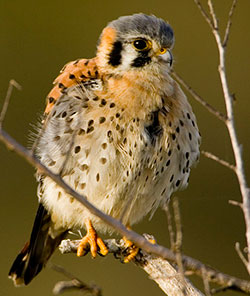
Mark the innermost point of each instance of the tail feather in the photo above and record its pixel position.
(35, 254)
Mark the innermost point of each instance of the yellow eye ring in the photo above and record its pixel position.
(162, 50)
(142, 44)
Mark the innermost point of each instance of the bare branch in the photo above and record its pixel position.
(242, 257)
(159, 270)
(198, 98)
(206, 283)
(73, 284)
(212, 13)
(166, 276)
(235, 203)
(178, 242)
(170, 227)
(230, 123)
(229, 23)
(12, 84)
(224, 289)
(203, 12)
(212, 275)
(177, 216)
(219, 160)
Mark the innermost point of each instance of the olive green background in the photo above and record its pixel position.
(36, 39)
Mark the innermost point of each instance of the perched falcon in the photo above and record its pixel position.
(120, 131)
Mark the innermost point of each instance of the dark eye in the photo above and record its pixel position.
(141, 44)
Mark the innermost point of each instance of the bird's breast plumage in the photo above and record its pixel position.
(126, 153)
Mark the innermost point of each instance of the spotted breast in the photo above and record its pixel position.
(125, 159)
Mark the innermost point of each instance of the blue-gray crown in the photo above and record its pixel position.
(155, 28)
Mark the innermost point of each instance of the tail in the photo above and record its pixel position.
(37, 251)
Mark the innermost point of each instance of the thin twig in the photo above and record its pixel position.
(229, 23)
(170, 227)
(235, 203)
(178, 242)
(203, 12)
(73, 284)
(213, 15)
(177, 217)
(206, 283)
(198, 98)
(12, 84)
(219, 160)
(224, 289)
(242, 257)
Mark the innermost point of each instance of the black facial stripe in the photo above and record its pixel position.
(141, 60)
(115, 55)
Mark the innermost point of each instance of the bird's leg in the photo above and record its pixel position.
(93, 240)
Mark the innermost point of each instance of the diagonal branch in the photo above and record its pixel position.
(142, 259)
(204, 13)
(213, 15)
(73, 283)
(198, 98)
(219, 160)
(12, 84)
(229, 24)
(240, 254)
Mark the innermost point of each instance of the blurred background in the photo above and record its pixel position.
(36, 39)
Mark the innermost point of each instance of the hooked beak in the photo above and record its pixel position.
(168, 57)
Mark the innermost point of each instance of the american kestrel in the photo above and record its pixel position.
(120, 131)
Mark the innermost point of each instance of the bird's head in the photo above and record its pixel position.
(135, 43)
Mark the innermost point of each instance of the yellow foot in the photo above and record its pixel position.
(92, 240)
(132, 250)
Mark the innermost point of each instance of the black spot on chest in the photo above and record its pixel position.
(154, 130)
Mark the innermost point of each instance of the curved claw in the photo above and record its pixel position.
(132, 250)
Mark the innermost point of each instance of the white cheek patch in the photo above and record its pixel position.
(128, 55)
